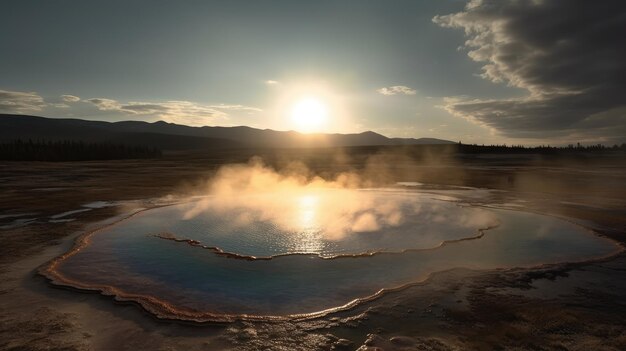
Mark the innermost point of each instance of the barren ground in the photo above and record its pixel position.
(565, 307)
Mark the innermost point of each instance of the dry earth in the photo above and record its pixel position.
(564, 307)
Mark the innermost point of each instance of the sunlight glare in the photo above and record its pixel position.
(307, 209)
(309, 114)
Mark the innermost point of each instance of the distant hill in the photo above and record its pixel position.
(169, 136)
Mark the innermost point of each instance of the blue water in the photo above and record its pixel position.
(129, 257)
(424, 223)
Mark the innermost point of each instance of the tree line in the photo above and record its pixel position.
(541, 149)
(70, 150)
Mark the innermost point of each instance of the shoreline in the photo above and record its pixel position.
(163, 310)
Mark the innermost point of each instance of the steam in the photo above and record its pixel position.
(296, 200)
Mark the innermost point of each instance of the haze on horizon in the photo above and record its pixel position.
(516, 72)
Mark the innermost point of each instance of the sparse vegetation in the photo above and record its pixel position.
(542, 149)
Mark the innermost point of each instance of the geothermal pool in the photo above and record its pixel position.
(301, 254)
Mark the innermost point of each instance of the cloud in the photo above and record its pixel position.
(70, 98)
(59, 105)
(397, 89)
(236, 108)
(142, 108)
(105, 104)
(569, 56)
(20, 102)
(184, 112)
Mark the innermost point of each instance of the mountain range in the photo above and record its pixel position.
(170, 136)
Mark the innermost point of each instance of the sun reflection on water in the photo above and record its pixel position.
(307, 211)
(308, 232)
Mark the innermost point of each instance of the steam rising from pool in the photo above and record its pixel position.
(261, 244)
(298, 203)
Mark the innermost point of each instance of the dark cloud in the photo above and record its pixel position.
(569, 55)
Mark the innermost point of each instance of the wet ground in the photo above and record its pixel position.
(564, 307)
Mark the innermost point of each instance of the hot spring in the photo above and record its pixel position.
(306, 253)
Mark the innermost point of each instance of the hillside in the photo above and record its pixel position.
(169, 136)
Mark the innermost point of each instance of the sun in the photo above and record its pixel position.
(309, 114)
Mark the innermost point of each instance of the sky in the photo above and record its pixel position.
(493, 71)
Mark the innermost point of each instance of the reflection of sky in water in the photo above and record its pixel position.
(127, 257)
(324, 224)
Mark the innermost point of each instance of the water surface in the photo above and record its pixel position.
(129, 258)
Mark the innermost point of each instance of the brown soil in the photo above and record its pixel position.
(569, 307)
